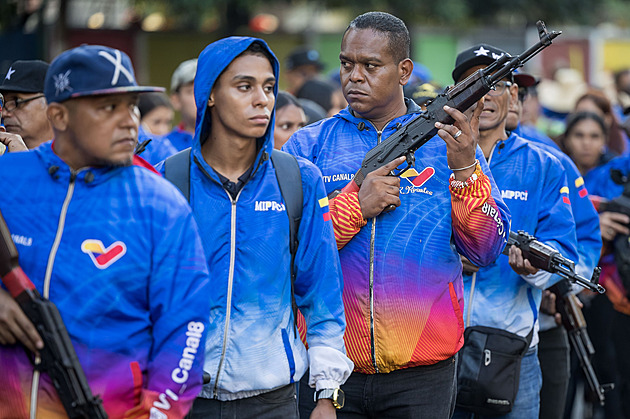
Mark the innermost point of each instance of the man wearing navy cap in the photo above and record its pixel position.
(24, 111)
(113, 245)
(553, 348)
(506, 294)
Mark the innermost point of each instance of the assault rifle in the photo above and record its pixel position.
(549, 259)
(58, 358)
(575, 325)
(462, 96)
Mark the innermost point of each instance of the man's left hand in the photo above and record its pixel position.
(461, 140)
(13, 142)
(519, 264)
(324, 410)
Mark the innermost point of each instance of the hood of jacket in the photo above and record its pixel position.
(213, 60)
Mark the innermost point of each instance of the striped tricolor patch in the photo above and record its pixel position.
(323, 204)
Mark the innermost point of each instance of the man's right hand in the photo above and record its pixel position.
(15, 326)
(613, 223)
(380, 190)
(13, 142)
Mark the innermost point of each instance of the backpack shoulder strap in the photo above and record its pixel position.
(177, 171)
(290, 182)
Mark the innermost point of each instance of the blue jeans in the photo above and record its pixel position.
(527, 401)
(279, 403)
(425, 392)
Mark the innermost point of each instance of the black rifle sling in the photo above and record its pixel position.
(177, 171)
(290, 181)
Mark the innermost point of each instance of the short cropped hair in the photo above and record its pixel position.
(391, 26)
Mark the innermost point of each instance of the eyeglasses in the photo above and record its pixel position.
(499, 88)
(12, 105)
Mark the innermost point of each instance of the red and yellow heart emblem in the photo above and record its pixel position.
(101, 256)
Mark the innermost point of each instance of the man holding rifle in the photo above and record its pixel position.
(506, 294)
(402, 274)
(114, 246)
(554, 349)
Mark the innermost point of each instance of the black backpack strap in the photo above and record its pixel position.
(290, 181)
(177, 171)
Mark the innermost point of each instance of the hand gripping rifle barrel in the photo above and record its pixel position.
(549, 259)
(58, 357)
(462, 96)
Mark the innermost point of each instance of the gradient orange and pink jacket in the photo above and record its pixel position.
(403, 291)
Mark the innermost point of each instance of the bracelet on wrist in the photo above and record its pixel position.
(461, 184)
(464, 168)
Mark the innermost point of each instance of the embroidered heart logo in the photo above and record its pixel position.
(101, 256)
(418, 179)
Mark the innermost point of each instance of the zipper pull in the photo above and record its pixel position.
(487, 357)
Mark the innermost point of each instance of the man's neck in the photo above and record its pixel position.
(488, 138)
(381, 120)
(229, 156)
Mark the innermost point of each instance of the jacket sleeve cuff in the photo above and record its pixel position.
(347, 217)
(329, 368)
(540, 279)
(476, 189)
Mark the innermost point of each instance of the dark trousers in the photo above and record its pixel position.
(420, 392)
(554, 358)
(599, 316)
(621, 342)
(280, 403)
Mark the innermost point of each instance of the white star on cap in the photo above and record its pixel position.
(9, 73)
(62, 82)
(481, 51)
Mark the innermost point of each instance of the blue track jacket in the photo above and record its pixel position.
(252, 346)
(118, 251)
(534, 187)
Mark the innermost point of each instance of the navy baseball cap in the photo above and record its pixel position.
(25, 76)
(91, 70)
(480, 54)
(303, 56)
(523, 79)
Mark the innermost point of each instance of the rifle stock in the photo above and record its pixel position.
(58, 357)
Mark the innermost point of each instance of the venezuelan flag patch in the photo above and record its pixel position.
(323, 204)
(565, 195)
(579, 184)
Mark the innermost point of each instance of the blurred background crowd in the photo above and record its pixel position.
(585, 70)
